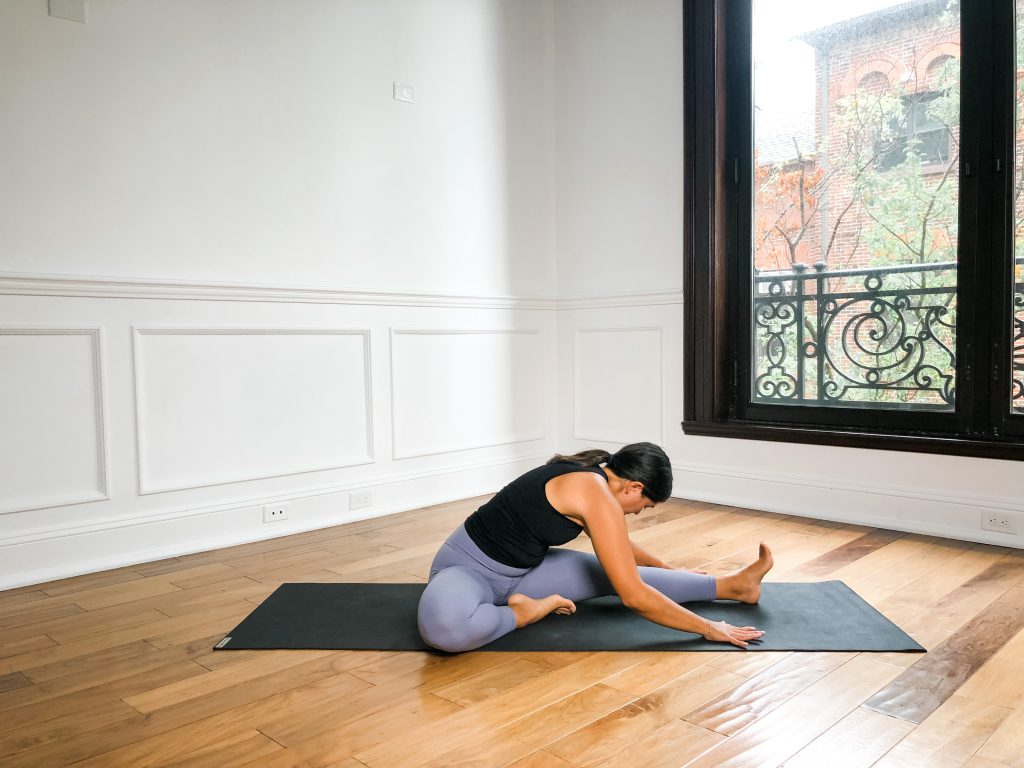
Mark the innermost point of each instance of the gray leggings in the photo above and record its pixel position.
(465, 603)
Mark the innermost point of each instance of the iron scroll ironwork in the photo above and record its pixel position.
(881, 338)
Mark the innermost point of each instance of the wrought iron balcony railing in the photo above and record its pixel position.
(880, 337)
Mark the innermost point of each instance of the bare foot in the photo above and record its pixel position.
(529, 610)
(745, 584)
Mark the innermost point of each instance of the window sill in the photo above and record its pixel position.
(848, 438)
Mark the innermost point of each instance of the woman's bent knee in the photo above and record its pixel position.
(446, 633)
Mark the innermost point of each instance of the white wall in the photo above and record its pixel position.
(257, 141)
(619, 91)
(235, 272)
(619, 122)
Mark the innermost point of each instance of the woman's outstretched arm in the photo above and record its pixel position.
(589, 499)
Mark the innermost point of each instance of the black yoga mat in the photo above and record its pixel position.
(825, 616)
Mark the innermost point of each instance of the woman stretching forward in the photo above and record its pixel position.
(497, 572)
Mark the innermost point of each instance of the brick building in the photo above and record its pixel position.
(886, 83)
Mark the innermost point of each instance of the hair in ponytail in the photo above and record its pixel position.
(643, 463)
(590, 458)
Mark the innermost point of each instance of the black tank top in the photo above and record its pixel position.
(519, 524)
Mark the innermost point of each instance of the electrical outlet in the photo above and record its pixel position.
(360, 500)
(998, 520)
(275, 512)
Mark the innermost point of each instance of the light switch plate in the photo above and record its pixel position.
(403, 93)
(72, 10)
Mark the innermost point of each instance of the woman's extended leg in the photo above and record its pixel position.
(457, 611)
(580, 576)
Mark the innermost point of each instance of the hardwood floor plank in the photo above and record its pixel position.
(33, 735)
(540, 759)
(657, 670)
(101, 621)
(980, 762)
(237, 674)
(13, 681)
(18, 622)
(670, 746)
(500, 710)
(231, 697)
(922, 689)
(89, 581)
(44, 711)
(1006, 744)
(22, 647)
(476, 688)
(115, 594)
(1001, 679)
(925, 577)
(931, 621)
(749, 664)
(949, 736)
(182, 629)
(618, 731)
(892, 557)
(390, 718)
(90, 662)
(427, 550)
(221, 594)
(196, 746)
(172, 724)
(856, 741)
(851, 551)
(351, 718)
(526, 735)
(780, 734)
(13, 597)
(764, 692)
(242, 748)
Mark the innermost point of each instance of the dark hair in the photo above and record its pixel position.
(643, 463)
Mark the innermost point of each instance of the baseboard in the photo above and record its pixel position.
(123, 543)
(913, 510)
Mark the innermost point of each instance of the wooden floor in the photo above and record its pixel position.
(116, 668)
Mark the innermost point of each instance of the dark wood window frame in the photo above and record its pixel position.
(717, 196)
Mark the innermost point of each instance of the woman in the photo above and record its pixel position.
(497, 572)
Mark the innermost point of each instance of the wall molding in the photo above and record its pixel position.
(21, 284)
(574, 383)
(641, 299)
(447, 332)
(138, 403)
(99, 415)
(112, 287)
(832, 490)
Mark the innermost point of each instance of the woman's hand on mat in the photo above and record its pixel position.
(721, 632)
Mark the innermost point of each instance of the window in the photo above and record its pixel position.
(917, 130)
(855, 225)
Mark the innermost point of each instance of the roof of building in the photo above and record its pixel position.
(777, 136)
(825, 38)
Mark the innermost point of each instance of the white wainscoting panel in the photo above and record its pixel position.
(53, 451)
(454, 390)
(616, 385)
(228, 405)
